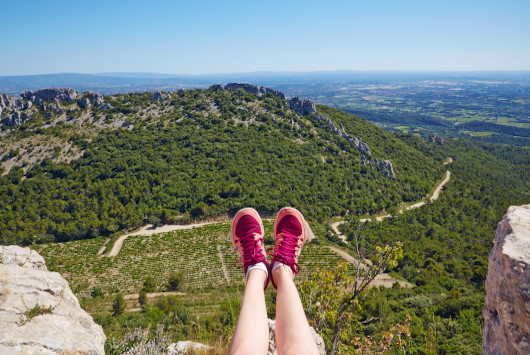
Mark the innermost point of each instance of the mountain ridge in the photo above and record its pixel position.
(188, 154)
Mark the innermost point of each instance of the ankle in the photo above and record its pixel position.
(281, 272)
(257, 275)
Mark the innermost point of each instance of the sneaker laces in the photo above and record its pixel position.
(285, 253)
(252, 251)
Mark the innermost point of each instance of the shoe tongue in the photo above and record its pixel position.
(290, 226)
(247, 226)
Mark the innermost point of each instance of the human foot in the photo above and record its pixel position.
(247, 237)
(289, 235)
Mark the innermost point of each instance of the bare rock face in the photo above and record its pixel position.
(272, 342)
(250, 88)
(507, 307)
(66, 94)
(39, 314)
(305, 107)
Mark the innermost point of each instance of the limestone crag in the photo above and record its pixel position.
(272, 342)
(507, 306)
(90, 98)
(84, 102)
(303, 107)
(250, 88)
(65, 94)
(159, 96)
(385, 166)
(39, 314)
(308, 107)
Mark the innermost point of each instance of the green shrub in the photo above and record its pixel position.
(175, 281)
(118, 305)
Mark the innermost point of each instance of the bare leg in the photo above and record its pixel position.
(293, 334)
(252, 330)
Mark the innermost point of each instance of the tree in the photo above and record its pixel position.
(175, 281)
(331, 296)
(97, 292)
(154, 220)
(142, 297)
(118, 306)
(149, 284)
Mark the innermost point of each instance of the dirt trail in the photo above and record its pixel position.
(383, 279)
(135, 296)
(434, 197)
(436, 192)
(150, 230)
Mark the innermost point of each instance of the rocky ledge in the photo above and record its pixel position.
(39, 314)
(507, 307)
(250, 88)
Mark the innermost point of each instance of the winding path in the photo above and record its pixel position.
(382, 279)
(434, 197)
(149, 230)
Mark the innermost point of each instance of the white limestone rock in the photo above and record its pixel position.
(61, 328)
(184, 347)
(507, 307)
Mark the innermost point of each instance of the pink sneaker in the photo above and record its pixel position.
(247, 238)
(289, 234)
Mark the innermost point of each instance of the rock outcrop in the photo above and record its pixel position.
(308, 107)
(385, 166)
(92, 99)
(272, 342)
(160, 96)
(186, 347)
(507, 307)
(250, 88)
(66, 94)
(303, 107)
(39, 314)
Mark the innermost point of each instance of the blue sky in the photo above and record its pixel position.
(223, 36)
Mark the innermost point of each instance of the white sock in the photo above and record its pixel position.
(260, 266)
(277, 264)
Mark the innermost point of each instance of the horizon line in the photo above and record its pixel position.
(280, 72)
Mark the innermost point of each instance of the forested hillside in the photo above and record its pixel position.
(172, 157)
(446, 246)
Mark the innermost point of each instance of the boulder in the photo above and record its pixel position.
(185, 347)
(39, 314)
(507, 306)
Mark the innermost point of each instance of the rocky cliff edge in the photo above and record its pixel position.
(39, 314)
(507, 307)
